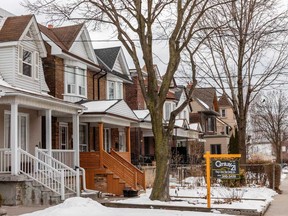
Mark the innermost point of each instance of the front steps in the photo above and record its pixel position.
(19, 190)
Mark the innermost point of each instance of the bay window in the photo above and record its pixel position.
(115, 90)
(75, 81)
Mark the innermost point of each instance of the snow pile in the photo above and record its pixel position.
(87, 207)
(74, 206)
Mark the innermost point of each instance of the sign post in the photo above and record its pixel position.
(221, 168)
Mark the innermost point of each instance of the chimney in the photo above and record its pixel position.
(50, 26)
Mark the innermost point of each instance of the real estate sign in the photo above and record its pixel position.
(225, 169)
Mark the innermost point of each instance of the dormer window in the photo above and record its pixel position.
(28, 63)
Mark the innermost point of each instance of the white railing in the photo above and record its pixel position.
(5, 160)
(65, 156)
(72, 177)
(43, 173)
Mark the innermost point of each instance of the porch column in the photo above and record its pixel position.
(76, 139)
(14, 139)
(48, 118)
(128, 142)
(101, 143)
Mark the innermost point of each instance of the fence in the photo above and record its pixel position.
(250, 175)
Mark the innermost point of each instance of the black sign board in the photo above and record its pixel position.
(225, 169)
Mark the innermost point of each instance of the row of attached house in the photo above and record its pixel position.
(74, 117)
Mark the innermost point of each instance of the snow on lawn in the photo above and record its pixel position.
(85, 206)
(195, 196)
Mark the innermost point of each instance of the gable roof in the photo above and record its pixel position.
(224, 101)
(64, 37)
(107, 56)
(207, 95)
(14, 27)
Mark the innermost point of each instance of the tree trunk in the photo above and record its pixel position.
(242, 141)
(162, 152)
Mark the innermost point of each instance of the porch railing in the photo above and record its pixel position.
(72, 177)
(5, 160)
(120, 170)
(43, 173)
(140, 177)
(66, 156)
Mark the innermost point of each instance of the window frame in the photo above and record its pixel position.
(216, 147)
(33, 64)
(76, 87)
(7, 137)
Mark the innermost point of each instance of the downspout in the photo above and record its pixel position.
(98, 80)
(94, 82)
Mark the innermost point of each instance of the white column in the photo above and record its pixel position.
(48, 117)
(14, 139)
(76, 139)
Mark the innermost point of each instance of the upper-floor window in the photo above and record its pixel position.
(167, 111)
(215, 148)
(210, 124)
(28, 62)
(223, 113)
(115, 90)
(75, 80)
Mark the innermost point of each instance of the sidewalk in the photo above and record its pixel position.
(279, 206)
(18, 210)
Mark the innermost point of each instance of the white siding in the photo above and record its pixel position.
(122, 109)
(79, 49)
(117, 66)
(8, 57)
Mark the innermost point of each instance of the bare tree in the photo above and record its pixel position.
(144, 22)
(269, 119)
(247, 55)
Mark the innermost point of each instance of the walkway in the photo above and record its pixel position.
(279, 206)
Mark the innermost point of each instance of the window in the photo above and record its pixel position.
(223, 113)
(167, 111)
(75, 79)
(83, 138)
(107, 140)
(28, 63)
(63, 135)
(210, 124)
(22, 130)
(215, 148)
(122, 141)
(115, 90)
(111, 90)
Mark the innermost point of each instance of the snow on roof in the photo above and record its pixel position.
(99, 106)
(203, 104)
(141, 114)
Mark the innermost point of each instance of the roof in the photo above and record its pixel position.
(206, 95)
(224, 101)
(142, 114)
(64, 37)
(113, 107)
(108, 55)
(14, 27)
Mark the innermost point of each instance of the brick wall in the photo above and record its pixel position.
(54, 74)
(133, 95)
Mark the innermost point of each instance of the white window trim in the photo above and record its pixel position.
(34, 63)
(84, 146)
(63, 124)
(76, 85)
(107, 142)
(26, 115)
(117, 89)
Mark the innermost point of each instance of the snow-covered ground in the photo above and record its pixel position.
(85, 206)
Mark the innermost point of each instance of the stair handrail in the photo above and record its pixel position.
(120, 170)
(72, 176)
(140, 174)
(46, 175)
